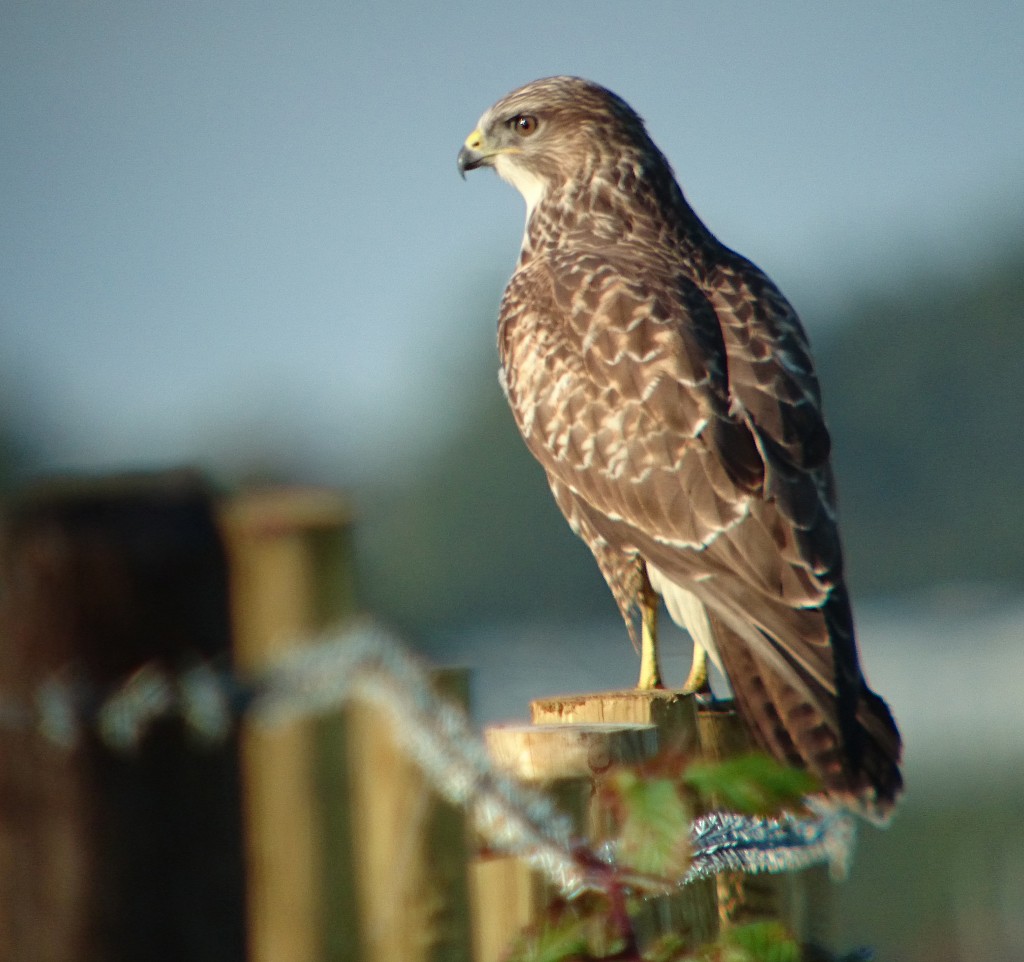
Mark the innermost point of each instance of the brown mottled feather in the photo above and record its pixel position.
(667, 388)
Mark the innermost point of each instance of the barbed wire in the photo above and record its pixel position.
(725, 841)
(365, 663)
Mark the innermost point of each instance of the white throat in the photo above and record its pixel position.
(528, 184)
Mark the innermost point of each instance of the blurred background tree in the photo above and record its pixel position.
(925, 394)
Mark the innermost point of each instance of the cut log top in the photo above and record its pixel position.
(548, 752)
(673, 713)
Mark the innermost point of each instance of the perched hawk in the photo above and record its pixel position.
(666, 386)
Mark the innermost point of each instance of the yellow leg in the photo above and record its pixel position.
(650, 674)
(697, 680)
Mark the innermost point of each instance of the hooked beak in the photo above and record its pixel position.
(472, 155)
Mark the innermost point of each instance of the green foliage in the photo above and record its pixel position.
(652, 807)
(654, 822)
(570, 932)
(758, 942)
(752, 784)
(557, 941)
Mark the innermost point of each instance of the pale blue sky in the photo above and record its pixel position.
(229, 227)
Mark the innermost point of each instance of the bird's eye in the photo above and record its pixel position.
(523, 124)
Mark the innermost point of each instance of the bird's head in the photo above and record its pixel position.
(552, 132)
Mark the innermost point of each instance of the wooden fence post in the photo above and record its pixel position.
(562, 760)
(692, 912)
(548, 752)
(410, 846)
(114, 855)
(352, 857)
(291, 577)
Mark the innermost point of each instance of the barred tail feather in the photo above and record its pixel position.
(797, 720)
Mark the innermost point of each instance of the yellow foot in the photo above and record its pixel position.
(697, 680)
(650, 674)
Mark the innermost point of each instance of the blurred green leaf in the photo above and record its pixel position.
(755, 942)
(558, 940)
(578, 931)
(764, 942)
(669, 948)
(752, 784)
(654, 823)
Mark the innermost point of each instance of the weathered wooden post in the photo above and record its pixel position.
(410, 846)
(562, 760)
(112, 854)
(690, 913)
(352, 857)
(290, 577)
(136, 852)
(573, 740)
